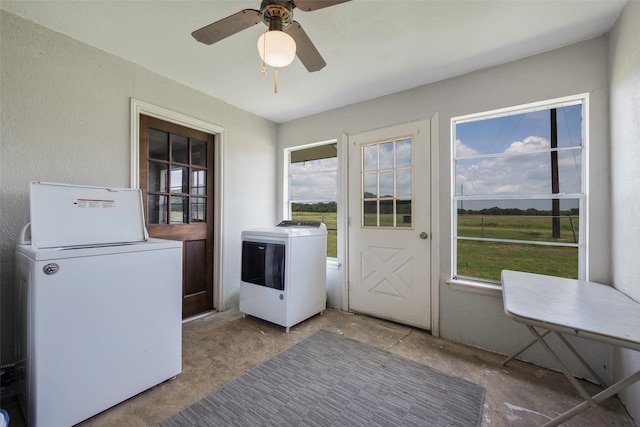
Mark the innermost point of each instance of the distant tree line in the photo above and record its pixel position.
(368, 195)
(515, 211)
(315, 207)
(323, 207)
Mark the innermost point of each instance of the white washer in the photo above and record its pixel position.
(284, 272)
(100, 314)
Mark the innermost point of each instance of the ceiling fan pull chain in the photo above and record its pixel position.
(275, 81)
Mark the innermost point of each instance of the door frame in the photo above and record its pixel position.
(140, 107)
(433, 215)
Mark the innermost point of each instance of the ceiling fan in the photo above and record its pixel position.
(278, 16)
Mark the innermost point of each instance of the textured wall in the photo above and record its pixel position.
(624, 72)
(65, 118)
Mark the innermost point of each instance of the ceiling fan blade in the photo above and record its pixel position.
(309, 5)
(228, 26)
(305, 50)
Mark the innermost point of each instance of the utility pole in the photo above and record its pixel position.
(555, 183)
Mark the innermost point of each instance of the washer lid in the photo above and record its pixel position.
(59, 253)
(292, 229)
(70, 215)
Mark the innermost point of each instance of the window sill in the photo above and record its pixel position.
(333, 263)
(475, 287)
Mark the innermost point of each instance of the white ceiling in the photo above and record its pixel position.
(372, 47)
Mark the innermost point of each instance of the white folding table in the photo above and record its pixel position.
(575, 307)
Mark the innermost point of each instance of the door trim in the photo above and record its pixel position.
(140, 107)
(343, 207)
(434, 217)
(435, 226)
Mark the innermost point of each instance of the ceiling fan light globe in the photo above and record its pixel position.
(276, 48)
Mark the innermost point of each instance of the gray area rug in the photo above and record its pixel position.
(329, 380)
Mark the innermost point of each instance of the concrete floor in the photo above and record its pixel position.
(222, 346)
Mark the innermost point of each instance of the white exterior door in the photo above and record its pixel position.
(389, 223)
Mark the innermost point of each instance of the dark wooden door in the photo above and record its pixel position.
(176, 179)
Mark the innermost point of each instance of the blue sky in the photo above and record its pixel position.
(498, 134)
(526, 169)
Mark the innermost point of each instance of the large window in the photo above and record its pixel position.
(313, 188)
(519, 191)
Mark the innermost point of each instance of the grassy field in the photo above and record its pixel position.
(330, 220)
(533, 228)
(486, 260)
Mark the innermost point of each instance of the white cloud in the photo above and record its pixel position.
(530, 143)
(526, 172)
(464, 150)
(314, 180)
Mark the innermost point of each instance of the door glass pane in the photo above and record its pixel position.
(386, 184)
(403, 153)
(179, 209)
(386, 213)
(198, 153)
(370, 157)
(198, 209)
(394, 180)
(370, 185)
(199, 182)
(158, 177)
(403, 183)
(386, 155)
(370, 213)
(157, 208)
(179, 179)
(403, 213)
(158, 145)
(179, 149)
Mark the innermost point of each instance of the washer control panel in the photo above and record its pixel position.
(289, 223)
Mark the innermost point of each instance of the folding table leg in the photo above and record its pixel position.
(590, 403)
(566, 342)
(600, 397)
(584, 362)
(523, 348)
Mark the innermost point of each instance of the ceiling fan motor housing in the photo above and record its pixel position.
(277, 14)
